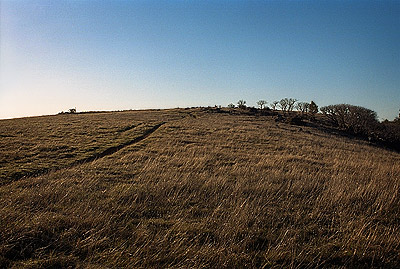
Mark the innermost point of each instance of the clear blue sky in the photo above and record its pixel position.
(114, 55)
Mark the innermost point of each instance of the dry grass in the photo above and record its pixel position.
(214, 190)
(35, 145)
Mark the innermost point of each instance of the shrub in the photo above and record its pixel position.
(296, 120)
(241, 104)
(313, 108)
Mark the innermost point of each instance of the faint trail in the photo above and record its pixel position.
(95, 156)
(114, 149)
(92, 158)
(128, 128)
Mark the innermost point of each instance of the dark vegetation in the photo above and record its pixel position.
(349, 119)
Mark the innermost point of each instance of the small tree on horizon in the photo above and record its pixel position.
(283, 103)
(274, 104)
(262, 104)
(290, 104)
(231, 105)
(241, 104)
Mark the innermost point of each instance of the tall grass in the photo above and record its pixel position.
(212, 191)
(31, 146)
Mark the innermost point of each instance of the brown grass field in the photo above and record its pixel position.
(190, 189)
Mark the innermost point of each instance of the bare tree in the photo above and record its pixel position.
(302, 107)
(283, 104)
(262, 104)
(361, 120)
(274, 104)
(241, 104)
(290, 103)
(287, 104)
(330, 113)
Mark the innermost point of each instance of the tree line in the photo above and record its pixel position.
(286, 105)
(355, 120)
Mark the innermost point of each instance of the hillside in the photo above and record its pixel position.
(188, 188)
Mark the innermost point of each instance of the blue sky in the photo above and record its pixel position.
(115, 55)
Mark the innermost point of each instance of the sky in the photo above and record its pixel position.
(117, 55)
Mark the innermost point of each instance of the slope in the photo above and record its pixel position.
(213, 190)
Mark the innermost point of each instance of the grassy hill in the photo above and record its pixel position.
(189, 188)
